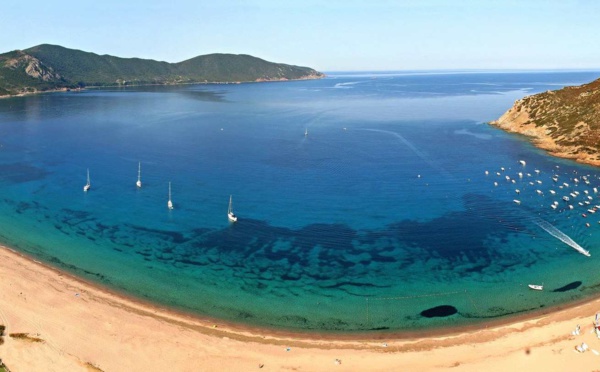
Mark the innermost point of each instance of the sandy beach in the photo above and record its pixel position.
(81, 327)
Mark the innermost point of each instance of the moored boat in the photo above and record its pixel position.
(139, 180)
(88, 184)
(170, 202)
(230, 215)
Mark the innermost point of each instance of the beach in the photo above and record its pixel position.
(82, 327)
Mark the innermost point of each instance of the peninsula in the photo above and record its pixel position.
(51, 67)
(564, 122)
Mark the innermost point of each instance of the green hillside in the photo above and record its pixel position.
(226, 67)
(565, 122)
(47, 67)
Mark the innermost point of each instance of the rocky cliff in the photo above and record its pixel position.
(564, 122)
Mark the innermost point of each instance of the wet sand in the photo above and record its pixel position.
(83, 327)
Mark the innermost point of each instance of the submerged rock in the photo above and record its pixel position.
(439, 311)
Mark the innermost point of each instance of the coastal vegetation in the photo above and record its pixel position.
(51, 67)
(565, 122)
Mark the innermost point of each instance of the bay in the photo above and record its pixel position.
(380, 218)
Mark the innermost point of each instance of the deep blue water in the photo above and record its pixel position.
(380, 214)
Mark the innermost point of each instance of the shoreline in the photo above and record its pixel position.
(538, 137)
(65, 89)
(82, 325)
(298, 334)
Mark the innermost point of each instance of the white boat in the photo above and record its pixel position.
(170, 203)
(518, 202)
(522, 162)
(139, 181)
(586, 253)
(306, 132)
(88, 184)
(536, 287)
(230, 215)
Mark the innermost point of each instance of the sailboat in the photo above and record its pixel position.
(170, 203)
(306, 132)
(139, 181)
(232, 217)
(88, 184)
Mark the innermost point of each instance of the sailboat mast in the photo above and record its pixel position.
(170, 203)
(139, 180)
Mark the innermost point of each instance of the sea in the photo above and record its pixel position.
(366, 201)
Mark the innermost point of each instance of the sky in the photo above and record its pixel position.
(328, 35)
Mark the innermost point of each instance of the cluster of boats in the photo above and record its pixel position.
(572, 198)
(230, 215)
(577, 192)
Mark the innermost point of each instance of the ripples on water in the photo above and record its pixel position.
(382, 218)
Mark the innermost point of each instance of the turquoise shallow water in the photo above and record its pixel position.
(381, 218)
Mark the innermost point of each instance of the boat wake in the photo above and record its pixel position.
(347, 85)
(560, 236)
(414, 149)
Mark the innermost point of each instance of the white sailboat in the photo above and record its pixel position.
(170, 203)
(230, 215)
(139, 180)
(88, 184)
(306, 132)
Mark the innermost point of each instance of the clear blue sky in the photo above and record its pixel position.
(329, 35)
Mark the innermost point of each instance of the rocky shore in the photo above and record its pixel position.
(566, 122)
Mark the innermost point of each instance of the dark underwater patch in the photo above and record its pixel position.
(21, 172)
(334, 255)
(462, 240)
(439, 311)
(568, 287)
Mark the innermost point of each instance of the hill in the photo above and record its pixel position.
(564, 122)
(50, 67)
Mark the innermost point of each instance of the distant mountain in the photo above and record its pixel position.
(564, 122)
(49, 67)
